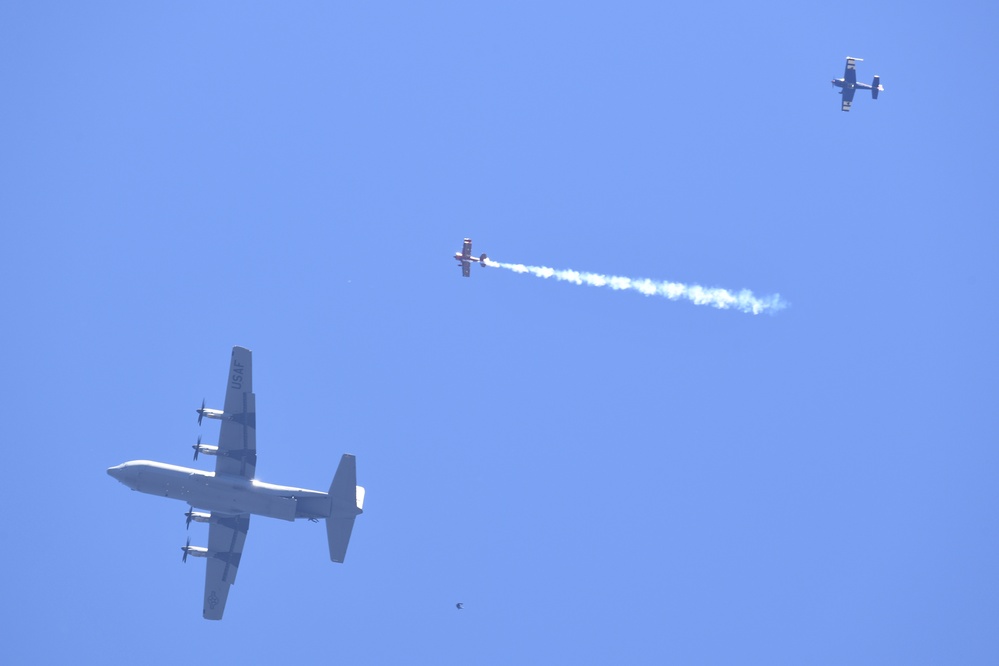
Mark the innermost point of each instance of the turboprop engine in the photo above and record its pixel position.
(208, 413)
(198, 517)
(207, 449)
(194, 551)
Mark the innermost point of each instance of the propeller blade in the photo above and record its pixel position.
(189, 517)
(201, 412)
(197, 450)
(185, 549)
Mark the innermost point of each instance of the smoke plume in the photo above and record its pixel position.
(723, 299)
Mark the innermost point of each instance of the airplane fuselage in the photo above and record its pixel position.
(841, 83)
(222, 494)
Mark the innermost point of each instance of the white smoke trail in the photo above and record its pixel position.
(723, 299)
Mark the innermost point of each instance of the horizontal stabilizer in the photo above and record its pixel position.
(876, 87)
(338, 534)
(346, 503)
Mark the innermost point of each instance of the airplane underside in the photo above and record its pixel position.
(848, 85)
(233, 496)
(228, 496)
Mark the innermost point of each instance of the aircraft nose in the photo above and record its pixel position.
(116, 471)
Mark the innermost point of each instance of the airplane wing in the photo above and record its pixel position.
(465, 267)
(466, 248)
(237, 454)
(847, 98)
(851, 70)
(226, 537)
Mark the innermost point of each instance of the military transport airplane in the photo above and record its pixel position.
(849, 85)
(231, 494)
(465, 257)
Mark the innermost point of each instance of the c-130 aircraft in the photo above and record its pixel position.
(231, 494)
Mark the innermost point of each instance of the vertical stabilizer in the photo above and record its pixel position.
(346, 503)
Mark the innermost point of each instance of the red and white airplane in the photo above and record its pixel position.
(465, 258)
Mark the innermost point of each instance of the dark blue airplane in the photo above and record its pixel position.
(849, 83)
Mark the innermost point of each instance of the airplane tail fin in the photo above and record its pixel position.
(346, 503)
(876, 87)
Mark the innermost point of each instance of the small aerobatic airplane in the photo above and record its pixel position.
(231, 494)
(849, 85)
(465, 257)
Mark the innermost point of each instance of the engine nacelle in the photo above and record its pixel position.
(205, 412)
(204, 448)
(193, 551)
(199, 516)
(207, 449)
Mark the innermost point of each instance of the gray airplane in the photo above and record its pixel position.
(230, 494)
(849, 85)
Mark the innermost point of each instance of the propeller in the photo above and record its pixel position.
(189, 517)
(197, 450)
(185, 549)
(201, 414)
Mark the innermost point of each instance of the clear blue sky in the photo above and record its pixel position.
(599, 476)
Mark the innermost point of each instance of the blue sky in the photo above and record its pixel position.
(599, 476)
